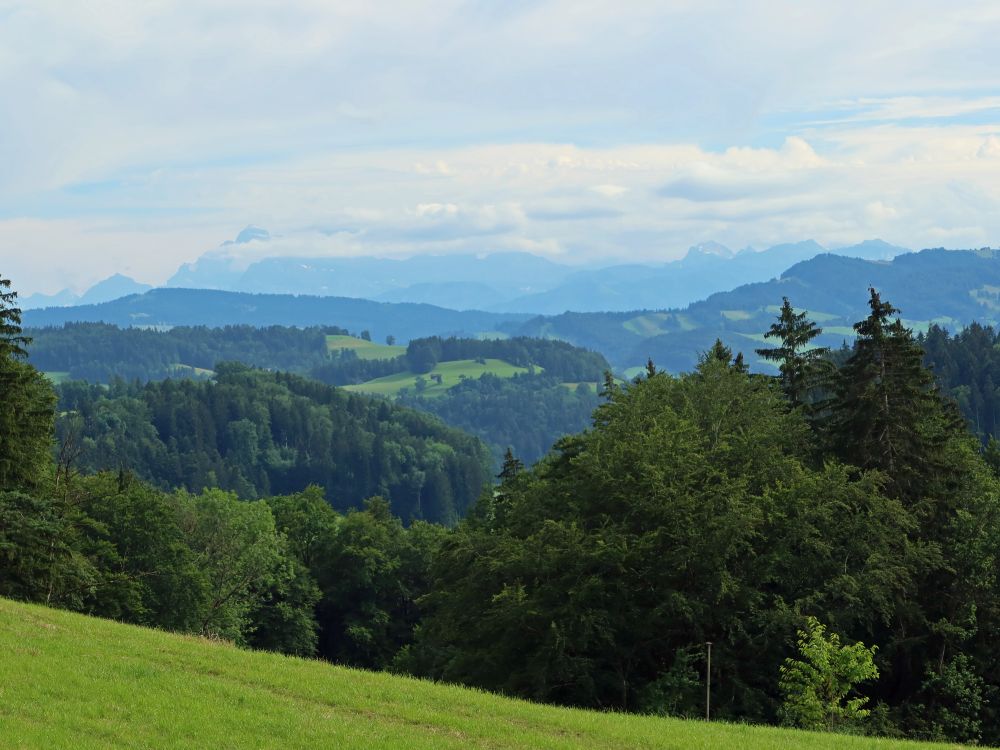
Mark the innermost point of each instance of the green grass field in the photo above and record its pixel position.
(70, 681)
(191, 369)
(364, 349)
(451, 375)
(56, 377)
(648, 325)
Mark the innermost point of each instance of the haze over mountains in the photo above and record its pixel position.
(497, 282)
(949, 287)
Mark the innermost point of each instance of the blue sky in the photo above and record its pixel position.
(136, 136)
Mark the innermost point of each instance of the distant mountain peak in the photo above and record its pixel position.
(251, 233)
(710, 248)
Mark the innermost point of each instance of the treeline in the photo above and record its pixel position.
(98, 352)
(557, 358)
(967, 364)
(525, 413)
(258, 433)
(287, 574)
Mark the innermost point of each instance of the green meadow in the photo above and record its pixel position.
(364, 349)
(451, 373)
(71, 681)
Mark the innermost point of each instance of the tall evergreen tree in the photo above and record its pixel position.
(12, 341)
(802, 366)
(888, 413)
(26, 402)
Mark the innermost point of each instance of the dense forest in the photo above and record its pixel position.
(99, 353)
(259, 433)
(526, 414)
(833, 531)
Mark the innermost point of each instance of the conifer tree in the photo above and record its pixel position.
(802, 368)
(26, 402)
(12, 341)
(888, 413)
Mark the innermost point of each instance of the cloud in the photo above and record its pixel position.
(610, 191)
(137, 135)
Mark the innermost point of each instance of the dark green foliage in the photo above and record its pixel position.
(12, 340)
(99, 352)
(887, 413)
(40, 557)
(259, 433)
(527, 412)
(368, 568)
(26, 402)
(557, 358)
(26, 421)
(802, 366)
(689, 513)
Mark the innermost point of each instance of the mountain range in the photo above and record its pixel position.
(951, 288)
(165, 308)
(948, 287)
(497, 282)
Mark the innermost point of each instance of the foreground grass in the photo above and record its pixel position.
(69, 681)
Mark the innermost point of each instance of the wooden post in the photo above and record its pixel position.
(708, 683)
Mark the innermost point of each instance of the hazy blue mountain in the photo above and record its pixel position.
(704, 270)
(949, 287)
(457, 295)
(503, 282)
(172, 307)
(220, 268)
(509, 274)
(33, 301)
(110, 288)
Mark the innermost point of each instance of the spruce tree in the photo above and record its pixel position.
(802, 367)
(887, 412)
(12, 341)
(26, 403)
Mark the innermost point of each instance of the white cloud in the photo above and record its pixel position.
(144, 133)
(610, 191)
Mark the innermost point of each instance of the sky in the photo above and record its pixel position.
(135, 136)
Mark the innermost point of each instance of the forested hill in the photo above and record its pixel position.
(552, 392)
(192, 307)
(100, 352)
(260, 433)
(948, 287)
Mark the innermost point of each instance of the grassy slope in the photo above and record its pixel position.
(69, 681)
(451, 374)
(364, 349)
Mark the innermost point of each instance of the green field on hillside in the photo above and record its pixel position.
(451, 375)
(56, 377)
(70, 681)
(364, 349)
(200, 372)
